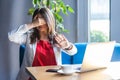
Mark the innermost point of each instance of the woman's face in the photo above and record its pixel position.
(44, 27)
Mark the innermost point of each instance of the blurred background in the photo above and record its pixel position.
(92, 21)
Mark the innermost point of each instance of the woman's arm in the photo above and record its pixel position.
(71, 50)
(18, 35)
(63, 43)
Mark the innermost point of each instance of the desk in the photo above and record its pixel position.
(110, 73)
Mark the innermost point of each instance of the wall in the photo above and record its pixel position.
(77, 23)
(115, 20)
(12, 14)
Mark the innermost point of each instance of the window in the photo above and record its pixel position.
(99, 24)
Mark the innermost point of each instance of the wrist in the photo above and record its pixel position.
(30, 25)
(69, 47)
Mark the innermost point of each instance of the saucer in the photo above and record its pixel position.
(61, 72)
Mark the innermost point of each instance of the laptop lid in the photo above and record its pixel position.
(97, 55)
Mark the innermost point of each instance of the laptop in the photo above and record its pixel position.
(97, 55)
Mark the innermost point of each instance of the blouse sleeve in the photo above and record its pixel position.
(18, 35)
(71, 51)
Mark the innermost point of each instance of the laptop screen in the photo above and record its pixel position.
(97, 55)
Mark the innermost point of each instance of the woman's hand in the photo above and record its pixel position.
(36, 23)
(62, 41)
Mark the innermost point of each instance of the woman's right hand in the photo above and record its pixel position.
(36, 23)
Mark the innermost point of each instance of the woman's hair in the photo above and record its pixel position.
(49, 18)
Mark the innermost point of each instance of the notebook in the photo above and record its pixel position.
(97, 55)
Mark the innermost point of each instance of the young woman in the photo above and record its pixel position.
(43, 44)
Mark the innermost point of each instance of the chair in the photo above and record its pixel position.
(21, 53)
(77, 58)
(116, 53)
(81, 47)
(66, 59)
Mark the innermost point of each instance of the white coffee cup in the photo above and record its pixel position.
(67, 68)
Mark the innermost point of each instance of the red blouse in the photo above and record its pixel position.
(44, 55)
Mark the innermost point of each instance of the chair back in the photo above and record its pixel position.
(21, 53)
(77, 58)
(116, 53)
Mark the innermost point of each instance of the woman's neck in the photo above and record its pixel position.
(44, 36)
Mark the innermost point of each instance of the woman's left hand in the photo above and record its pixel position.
(61, 41)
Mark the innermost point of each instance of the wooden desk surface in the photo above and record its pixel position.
(110, 73)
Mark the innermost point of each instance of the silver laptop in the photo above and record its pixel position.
(97, 56)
